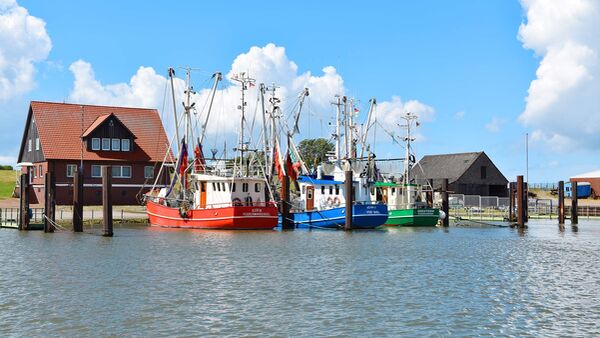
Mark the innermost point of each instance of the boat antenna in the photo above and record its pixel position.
(245, 81)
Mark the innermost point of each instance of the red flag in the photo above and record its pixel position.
(183, 165)
(278, 162)
(289, 166)
(199, 162)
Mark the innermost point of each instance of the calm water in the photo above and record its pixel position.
(425, 282)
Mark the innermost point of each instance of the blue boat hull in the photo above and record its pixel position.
(364, 216)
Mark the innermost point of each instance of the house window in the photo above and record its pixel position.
(34, 171)
(257, 187)
(71, 170)
(125, 145)
(244, 187)
(95, 144)
(40, 170)
(96, 171)
(37, 143)
(105, 144)
(483, 172)
(121, 171)
(29, 145)
(116, 144)
(148, 172)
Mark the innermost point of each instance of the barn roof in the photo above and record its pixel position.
(62, 125)
(450, 166)
(591, 174)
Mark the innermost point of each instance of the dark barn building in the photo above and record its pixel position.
(467, 173)
(58, 137)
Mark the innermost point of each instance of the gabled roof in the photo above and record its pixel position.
(591, 174)
(450, 166)
(100, 120)
(61, 126)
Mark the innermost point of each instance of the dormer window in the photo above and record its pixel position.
(106, 144)
(116, 144)
(96, 144)
(125, 144)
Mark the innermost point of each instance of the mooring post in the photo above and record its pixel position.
(286, 222)
(526, 201)
(561, 202)
(107, 200)
(349, 197)
(49, 203)
(24, 202)
(520, 200)
(445, 205)
(511, 202)
(78, 200)
(429, 194)
(574, 216)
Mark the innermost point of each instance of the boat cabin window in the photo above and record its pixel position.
(232, 187)
(214, 186)
(303, 189)
(310, 194)
(372, 190)
(330, 190)
(337, 189)
(257, 187)
(322, 190)
(244, 187)
(223, 186)
(393, 191)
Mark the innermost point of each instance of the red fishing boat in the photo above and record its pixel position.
(200, 196)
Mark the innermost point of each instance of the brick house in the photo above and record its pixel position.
(59, 137)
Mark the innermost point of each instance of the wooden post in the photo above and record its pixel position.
(445, 205)
(526, 201)
(24, 202)
(49, 203)
(520, 211)
(561, 202)
(78, 200)
(511, 202)
(430, 194)
(349, 196)
(574, 218)
(107, 200)
(286, 222)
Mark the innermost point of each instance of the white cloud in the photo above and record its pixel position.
(23, 42)
(495, 124)
(389, 113)
(459, 115)
(563, 102)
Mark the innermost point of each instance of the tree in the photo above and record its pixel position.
(313, 150)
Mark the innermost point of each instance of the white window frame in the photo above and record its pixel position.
(30, 143)
(40, 170)
(99, 169)
(115, 144)
(120, 170)
(73, 168)
(34, 171)
(96, 139)
(148, 169)
(106, 142)
(244, 187)
(37, 143)
(124, 142)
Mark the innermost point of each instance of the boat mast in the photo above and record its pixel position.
(296, 128)
(171, 76)
(217, 76)
(262, 90)
(346, 128)
(409, 118)
(365, 134)
(244, 80)
(337, 103)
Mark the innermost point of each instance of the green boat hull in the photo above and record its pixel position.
(413, 217)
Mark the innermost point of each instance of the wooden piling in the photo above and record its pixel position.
(526, 201)
(107, 200)
(429, 195)
(561, 202)
(511, 202)
(349, 196)
(574, 216)
(520, 207)
(445, 204)
(78, 200)
(49, 201)
(24, 202)
(286, 222)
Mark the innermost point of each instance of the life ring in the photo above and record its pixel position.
(236, 202)
(329, 201)
(336, 201)
(249, 201)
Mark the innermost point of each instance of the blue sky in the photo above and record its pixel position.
(466, 61)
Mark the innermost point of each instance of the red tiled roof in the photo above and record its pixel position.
(61, 125)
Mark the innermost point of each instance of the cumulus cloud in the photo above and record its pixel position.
(23, 42)
(459, 115)
(563, 102)
(495, 124)
(390, 112)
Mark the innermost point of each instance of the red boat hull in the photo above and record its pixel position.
(228, 218)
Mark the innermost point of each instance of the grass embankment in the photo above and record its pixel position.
(7, 183)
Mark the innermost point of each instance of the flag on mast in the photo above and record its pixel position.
(183, 164)
(279, 165)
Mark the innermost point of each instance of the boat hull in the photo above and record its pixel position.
(413, 217)
(364, 216)
(228, 218)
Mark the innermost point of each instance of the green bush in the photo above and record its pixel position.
(6, 167)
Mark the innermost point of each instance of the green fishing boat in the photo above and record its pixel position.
(406, 199)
